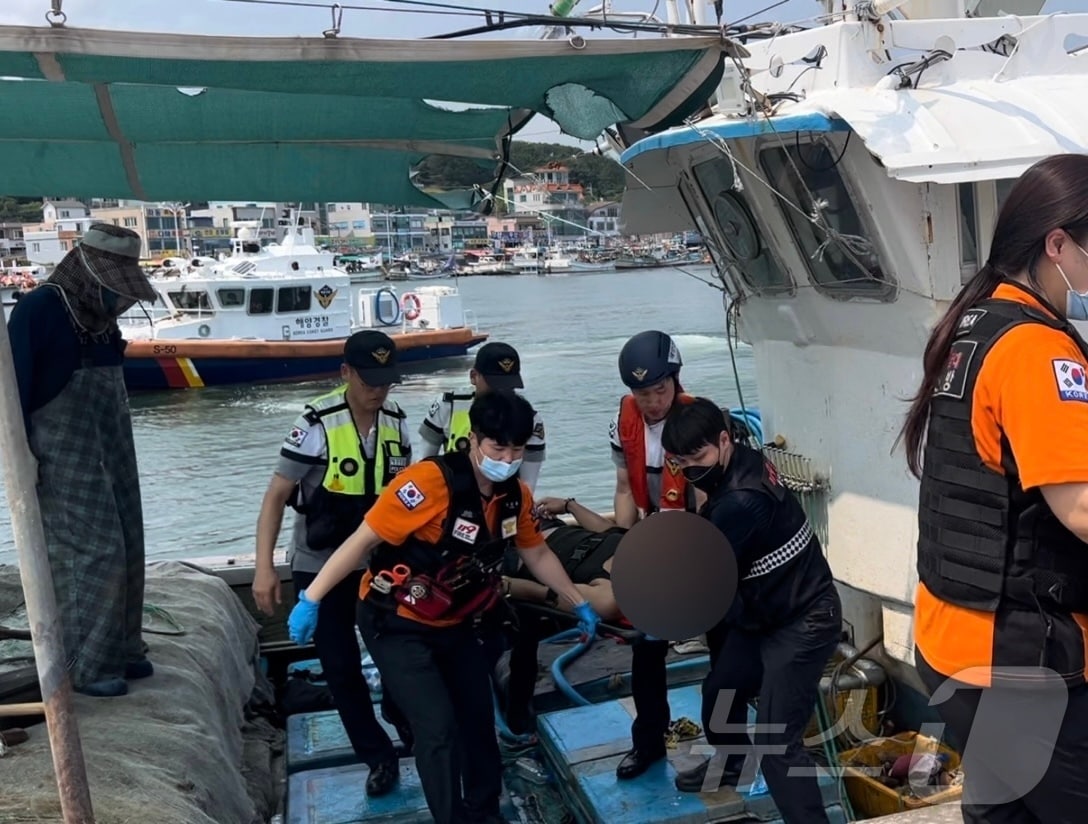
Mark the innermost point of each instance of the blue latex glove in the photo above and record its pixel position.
(303, 620)
(587, 620)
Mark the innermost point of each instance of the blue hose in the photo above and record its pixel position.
(560, 663)
(504, 731)
(750, 417)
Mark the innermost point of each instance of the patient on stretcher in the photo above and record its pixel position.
(586, 552)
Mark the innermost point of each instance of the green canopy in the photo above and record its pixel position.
(92, 113)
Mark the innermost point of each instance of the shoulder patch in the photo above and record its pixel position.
(296, 436)
(435, 407)
(613, 427)
(1070, 376)
(538, 430)
(969, 319)
(410, 495)
(953, 382)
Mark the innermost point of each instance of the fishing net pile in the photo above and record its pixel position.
(186, 746)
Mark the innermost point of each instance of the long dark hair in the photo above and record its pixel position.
(1052, 194)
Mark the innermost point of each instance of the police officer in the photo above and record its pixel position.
(1001, 421)
(646, 483)
(444, 527)
(783, 626)
(446, 427)
(339, 455)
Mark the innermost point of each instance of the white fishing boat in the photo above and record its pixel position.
(847, 177)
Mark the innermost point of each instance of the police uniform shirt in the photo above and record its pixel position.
(655, 453)
(303, 458)
(435, 432)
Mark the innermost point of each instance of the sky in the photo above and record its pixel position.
(382, 19)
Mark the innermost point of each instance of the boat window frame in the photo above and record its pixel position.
(886, 288)
(271, 300)
(988, 199)
(298, 289)
(705, 208)
(184, 292)
(232, 306)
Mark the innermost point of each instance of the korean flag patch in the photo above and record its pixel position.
(296, 436)
(1072, 384)
(410, 495)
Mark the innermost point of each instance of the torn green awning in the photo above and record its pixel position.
(119, 114)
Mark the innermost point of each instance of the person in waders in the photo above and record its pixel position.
(69, 356)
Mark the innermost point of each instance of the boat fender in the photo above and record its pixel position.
(204, 330)
(411, 305)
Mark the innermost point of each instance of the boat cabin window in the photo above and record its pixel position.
(191, 301)
(846, 261)
(230, 298)
(293, 299)
(968, 210)
(979, 205)
(737, 227)
(260, 301)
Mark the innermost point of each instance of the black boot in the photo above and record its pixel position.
(383, 778)
(636, 762)
(695, 780)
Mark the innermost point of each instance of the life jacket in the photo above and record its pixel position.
(674, 487)
(352, 482)
(983, 539)
(460, 576)
(459, 424)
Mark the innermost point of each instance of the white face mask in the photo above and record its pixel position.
(1076, 303)
(497, 471)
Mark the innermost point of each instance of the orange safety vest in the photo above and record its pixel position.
(633, 440)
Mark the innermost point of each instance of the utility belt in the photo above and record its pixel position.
(460, 589)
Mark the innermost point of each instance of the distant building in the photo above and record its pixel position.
(604, 218)
(548, 193)
(344, 221)
(56, 210)
(12, 243)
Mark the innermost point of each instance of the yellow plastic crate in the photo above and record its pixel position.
(869, 797)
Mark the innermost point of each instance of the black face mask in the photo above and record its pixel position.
(705, 478)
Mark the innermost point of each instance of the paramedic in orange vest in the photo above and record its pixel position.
(646, 482)
(435, 542)
(998, 436)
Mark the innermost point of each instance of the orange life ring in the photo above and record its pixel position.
(411, 304)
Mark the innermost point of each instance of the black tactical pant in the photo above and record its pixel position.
(442, 682)
(783, 668)
(341, 659)
(1025, 751)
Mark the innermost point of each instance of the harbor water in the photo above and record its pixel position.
(206, 455)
